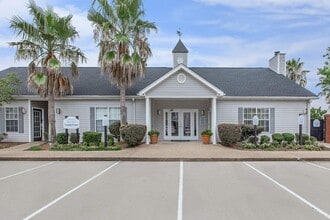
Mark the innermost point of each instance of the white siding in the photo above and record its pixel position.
(286, 113)
(16, 136)
(81, 108)
(191, 88)
(140, 114)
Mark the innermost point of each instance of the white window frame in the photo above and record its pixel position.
(260, 119)
(109, 114)
(12, 119)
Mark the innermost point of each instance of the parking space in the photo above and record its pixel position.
(153, 190)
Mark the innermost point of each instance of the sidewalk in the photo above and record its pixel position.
(165, 151)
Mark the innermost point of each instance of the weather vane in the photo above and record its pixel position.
(179, 33)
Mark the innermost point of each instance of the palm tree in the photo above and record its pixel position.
(324, 74)
(46, 42)
(295, 72)
(121, 35)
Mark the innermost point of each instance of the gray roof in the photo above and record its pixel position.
(232, 81)
(180, 48)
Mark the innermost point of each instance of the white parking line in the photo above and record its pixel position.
(25, 171)
(289, 191)
(180, 195)
(319, 166)
(69, 192)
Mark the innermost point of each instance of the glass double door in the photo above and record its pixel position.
(181, 124)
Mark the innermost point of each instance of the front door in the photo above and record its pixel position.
(180, 124)
(37, 124)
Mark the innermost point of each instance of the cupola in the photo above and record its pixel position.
(180, 54)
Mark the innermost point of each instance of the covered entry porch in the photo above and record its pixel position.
(181, 119)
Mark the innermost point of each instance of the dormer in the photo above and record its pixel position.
(180, 54)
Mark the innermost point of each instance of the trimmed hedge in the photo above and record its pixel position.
(288, 137)
(61, 138)
(248, 131)
(114, 129)
(3, 136)
(305, 137)
(264, 139)
(91, 137)
(133, 134)
(277, 137)
(74, 138)
(229, 133)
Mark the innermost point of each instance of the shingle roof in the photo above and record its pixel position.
(232, 81)
(180, 48)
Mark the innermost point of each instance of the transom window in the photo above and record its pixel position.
(112, 112)
(263, 115)
(11, 119)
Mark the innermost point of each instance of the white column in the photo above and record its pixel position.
(214, 120)
(148, 118)
(29, 115)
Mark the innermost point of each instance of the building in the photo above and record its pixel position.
(179, 101)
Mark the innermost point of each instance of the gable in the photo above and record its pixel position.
(181, 83)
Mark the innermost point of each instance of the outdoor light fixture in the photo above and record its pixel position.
(158, 111)
(203, 112)
(58, 111)
(23, 111)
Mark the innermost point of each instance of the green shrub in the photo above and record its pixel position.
(285, 143)
(277, 137)
(248, 131)
(313, 139)
(276, 144)
(74, 138)
(305, 137)
(251, 139)
(3, 136)
(61, 138)
(264, 146)
(288, 137)
(133, 134)
(111, 140)
(264, 139)
(91, 137)
(114, 129)
(249, 146)
(229, 133)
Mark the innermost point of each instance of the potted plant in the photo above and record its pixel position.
(153, 136)
(206, 136)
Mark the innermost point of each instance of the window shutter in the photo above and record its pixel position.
(240, 115)
(20, 120)
(2, 120)
(92, 118)
(272, 121)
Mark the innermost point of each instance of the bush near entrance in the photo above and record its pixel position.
(229, 133)
(133, 134)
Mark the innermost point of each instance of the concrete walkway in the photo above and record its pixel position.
(165, 151)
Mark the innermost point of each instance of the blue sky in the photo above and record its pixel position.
(240, 33)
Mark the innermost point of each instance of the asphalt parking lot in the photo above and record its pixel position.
(164, 190)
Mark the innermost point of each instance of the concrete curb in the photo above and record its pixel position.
(139, 159)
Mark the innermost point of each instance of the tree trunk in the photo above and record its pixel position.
(123, 109)
(51, 119)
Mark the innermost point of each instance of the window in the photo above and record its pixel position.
(113, 113)
(262, 113)
(11, 119)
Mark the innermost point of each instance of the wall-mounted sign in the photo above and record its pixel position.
(316, 123)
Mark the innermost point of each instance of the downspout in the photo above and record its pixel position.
(308, 124)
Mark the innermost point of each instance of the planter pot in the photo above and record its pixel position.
(206, 139)
(153, 139)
